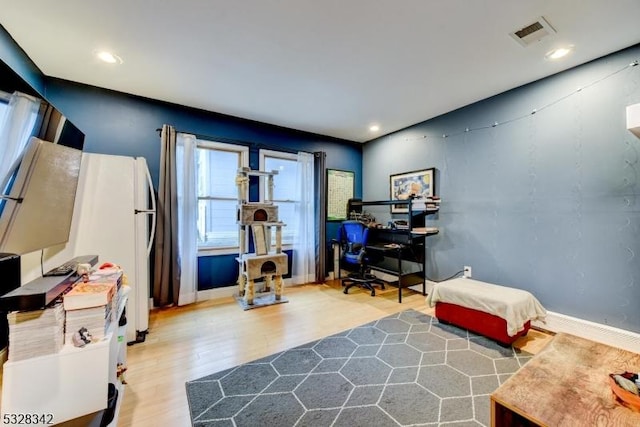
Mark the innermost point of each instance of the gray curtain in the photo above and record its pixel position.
(320, 167)
(166, 281)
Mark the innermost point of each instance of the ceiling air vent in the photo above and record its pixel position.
(533, 32)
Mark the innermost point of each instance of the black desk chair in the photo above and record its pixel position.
(352, 238)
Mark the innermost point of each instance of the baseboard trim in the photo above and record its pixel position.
(556, 322)
(228, 291)
(615, 337)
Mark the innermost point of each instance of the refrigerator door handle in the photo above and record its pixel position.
(153, 232)
(152, 196)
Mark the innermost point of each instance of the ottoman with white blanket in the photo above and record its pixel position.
(497, 312)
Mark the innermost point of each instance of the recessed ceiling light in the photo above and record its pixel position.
(374, 128)
(558, 53)
(108, 57)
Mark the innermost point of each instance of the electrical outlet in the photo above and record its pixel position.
(466, 271)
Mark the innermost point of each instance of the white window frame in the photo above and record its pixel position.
(263, 192)
(244, 162)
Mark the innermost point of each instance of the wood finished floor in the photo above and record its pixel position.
(189, 342)
(186, 343)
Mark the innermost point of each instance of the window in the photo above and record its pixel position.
(218, 166)
(284, 191)
(18, 114)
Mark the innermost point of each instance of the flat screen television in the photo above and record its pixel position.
(38, 203)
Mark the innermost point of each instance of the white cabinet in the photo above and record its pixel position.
(69, 384)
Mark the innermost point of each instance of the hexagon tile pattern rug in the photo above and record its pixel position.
(406, 369)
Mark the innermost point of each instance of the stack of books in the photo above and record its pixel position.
(92, 305)
(431, 203)
(35, 333)
(114, 276)
(425, 230)
(95, 319)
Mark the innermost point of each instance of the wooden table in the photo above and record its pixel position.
(566, 384)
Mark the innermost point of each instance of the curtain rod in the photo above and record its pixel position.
(257, 145)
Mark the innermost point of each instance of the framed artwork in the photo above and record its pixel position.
(340, 188)
(419, 184)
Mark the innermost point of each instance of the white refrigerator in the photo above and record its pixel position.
(114, 218)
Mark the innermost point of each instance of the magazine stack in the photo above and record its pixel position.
(35, 333)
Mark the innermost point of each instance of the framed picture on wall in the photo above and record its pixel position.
(340, 188)
(419, 184)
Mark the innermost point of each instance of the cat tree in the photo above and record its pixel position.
(265, 262)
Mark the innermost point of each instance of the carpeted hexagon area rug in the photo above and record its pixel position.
(402, 370)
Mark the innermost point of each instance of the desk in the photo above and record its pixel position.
(401, 246)
(408, 245)
(566, 384)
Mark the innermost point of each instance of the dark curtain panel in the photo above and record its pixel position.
(48, 121)
(166, 281)
(320, 167)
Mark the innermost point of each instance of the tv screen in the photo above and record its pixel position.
(38, 203)
(45, 223)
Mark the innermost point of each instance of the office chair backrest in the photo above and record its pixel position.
(354, 234)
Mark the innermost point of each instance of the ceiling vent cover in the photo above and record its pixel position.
(533, 32)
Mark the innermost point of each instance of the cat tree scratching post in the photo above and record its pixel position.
(264, 263)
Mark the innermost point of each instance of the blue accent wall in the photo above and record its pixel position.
(549, 202)
(117, 123)
(122, 124)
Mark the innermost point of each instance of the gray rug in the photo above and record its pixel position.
(405, 369)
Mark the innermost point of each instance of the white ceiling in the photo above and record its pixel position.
(331, 67)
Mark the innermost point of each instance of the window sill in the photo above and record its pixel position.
(216, 251)
(229, 251)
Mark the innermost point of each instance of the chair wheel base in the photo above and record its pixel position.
(365, 284)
